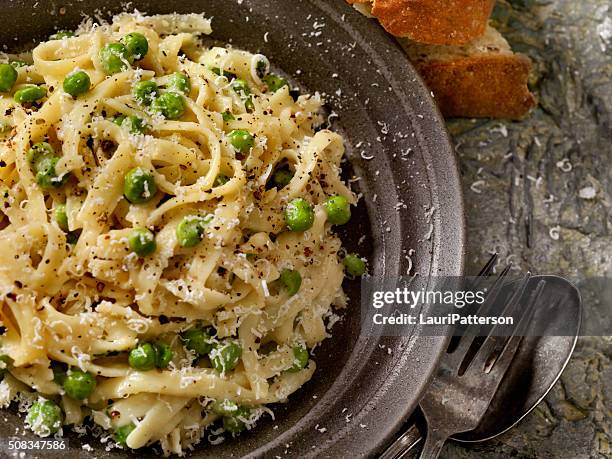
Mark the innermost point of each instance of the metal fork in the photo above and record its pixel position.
(460, 394)
(411, 437)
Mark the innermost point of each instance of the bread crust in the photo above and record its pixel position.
(469, 66)
(441, 22)
(485, 86)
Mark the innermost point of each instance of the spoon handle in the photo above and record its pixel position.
(434, 442)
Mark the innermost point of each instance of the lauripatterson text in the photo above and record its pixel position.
(448, 319)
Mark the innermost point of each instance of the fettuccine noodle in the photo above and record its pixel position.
(77, 299)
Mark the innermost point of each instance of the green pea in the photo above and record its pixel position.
(217, 71)
(169, 104)
(77, 83)
(46, 171)
(142, 242)
(292, 280)
(18, 63)
(299, 215)
(5, 363)
(221, 179)
(227, 116)
(145, 91)
(338, 210)
(143, 357)
(79, 384)
(59, 373)
(163, 355)
(61, 217)
(300, 359)
(118, 120)
(134, 124)
(224, 407)
(198, 340)
(37, 152)
(139, 186)
(29, 94)
(46, 177)
(136, 45)
(180, 82)
(114, 58)
(234, 423)
(60, 34)
(225, 355)
(241, 140)
(122, 432)
(44, 418)
(8, 76)
(282, 177)
(274, 82)
(354, 265)
(190, 231)
(241, 87)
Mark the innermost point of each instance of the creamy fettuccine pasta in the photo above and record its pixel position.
(167, 258)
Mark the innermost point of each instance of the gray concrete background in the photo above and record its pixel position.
(539, 193)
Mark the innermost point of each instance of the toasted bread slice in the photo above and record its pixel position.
(439, 22)
(481, 79)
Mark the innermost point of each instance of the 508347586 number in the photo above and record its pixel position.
(39, 445)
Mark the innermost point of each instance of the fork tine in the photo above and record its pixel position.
(489, 300)
(460, 350)
(494, 291)
(503, 361)
(514, 299)
(489, 266)
(456, 358)
(509, 345)
(485, 271)
(517, 295)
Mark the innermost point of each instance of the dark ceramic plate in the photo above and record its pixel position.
(360, 393)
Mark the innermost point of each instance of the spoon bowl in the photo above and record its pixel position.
(536, 368)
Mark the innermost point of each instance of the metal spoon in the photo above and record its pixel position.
(536, 368)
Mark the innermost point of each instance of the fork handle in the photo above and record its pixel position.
(433, 444)
(403, 444)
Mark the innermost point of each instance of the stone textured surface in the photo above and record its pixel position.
(539, 193)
